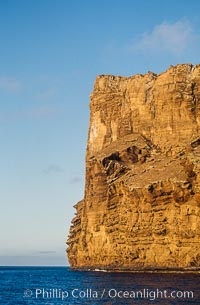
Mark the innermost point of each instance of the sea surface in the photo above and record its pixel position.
(60, 285)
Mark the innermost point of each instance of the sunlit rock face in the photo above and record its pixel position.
(141, 208)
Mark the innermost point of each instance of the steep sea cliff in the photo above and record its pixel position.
(141, 209)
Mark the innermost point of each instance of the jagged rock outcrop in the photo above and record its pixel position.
(141, 208)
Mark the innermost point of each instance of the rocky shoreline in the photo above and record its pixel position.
(161, 270)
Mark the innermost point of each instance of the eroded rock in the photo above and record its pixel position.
(141, 208)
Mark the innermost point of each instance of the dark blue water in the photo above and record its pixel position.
(59, 285)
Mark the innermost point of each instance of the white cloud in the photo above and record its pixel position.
(42, 112)
(10, 84)
(46, 252)
(46, 95)
(173, 38)
(53, 169)
(75, 180)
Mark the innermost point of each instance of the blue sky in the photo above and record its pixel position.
(50, 54)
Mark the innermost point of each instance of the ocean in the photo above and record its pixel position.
(60, 285)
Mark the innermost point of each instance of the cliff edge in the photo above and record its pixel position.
(141, 208)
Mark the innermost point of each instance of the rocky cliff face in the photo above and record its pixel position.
(141, 208)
